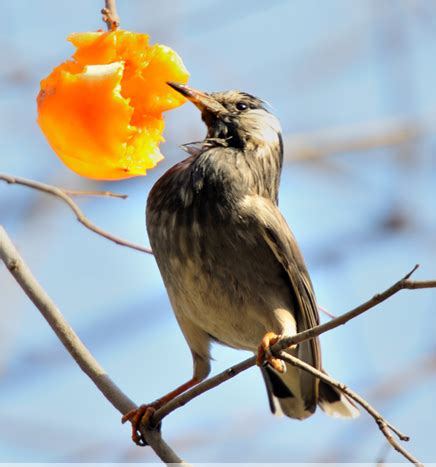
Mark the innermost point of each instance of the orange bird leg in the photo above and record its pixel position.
(142, 414)
(264, 352)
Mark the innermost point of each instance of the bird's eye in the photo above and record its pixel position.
(241, 106)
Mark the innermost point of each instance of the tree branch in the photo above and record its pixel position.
(64, 196)
(22, 274)
(358, 137)
(110, 15)
(287, 342)
(107, 194)
(382, 423)
(404, 283)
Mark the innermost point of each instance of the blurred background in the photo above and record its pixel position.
(353, 84)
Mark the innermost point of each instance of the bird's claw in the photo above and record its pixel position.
(137, 417)
(264, 355)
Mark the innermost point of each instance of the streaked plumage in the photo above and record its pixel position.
(231, 266)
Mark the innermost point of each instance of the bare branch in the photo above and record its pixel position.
(22, 274)
(110, 15)
(60, 193)
(382, 455)
(286, 342)
(403, 283)
(106, 194)
(358, 137)
(382, 423)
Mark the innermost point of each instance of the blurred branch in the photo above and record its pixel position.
(321, 309)
(358, 137)
(404, 283)
(382, 455)
(22, 274)
(107, 194)
(408, 376)
(63, 194)
(298, 148)
(110, 15)
(384, 426)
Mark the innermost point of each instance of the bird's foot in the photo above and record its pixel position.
(140, 416)
(264, 355)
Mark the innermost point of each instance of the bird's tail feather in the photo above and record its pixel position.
(284, 393)
(335, 403)
(285, 397)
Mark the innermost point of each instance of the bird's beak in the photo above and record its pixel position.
(200, 99)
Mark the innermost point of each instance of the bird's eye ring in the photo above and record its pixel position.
(241, 106)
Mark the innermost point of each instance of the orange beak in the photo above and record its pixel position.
(202, 100)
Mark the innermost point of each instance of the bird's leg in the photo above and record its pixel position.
(264, 354)
(143, 413)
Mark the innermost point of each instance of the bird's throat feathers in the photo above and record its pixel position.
(253, 129)
(255, 151)
(227, 173)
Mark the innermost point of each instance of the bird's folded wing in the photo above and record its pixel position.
(277, 234)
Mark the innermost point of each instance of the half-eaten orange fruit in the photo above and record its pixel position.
(102, 111)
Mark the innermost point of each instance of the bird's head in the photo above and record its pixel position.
(236, 117)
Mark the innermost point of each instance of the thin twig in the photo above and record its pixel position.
(382, 423)
(110, 15)
(22, 274)
(52, 190)
(403, 283)
(326, 312)
(106, 194)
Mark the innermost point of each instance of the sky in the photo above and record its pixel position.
(363, 218)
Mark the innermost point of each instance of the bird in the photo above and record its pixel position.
(231, 266)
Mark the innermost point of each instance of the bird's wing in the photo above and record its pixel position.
(277, 234)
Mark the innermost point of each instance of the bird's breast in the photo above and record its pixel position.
(217, 272)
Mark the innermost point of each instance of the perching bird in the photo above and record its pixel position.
(230, 264)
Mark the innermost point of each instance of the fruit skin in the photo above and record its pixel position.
(102, 111)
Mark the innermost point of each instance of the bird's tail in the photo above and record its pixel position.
(335, 403)
(284, 393)
(286, 396)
